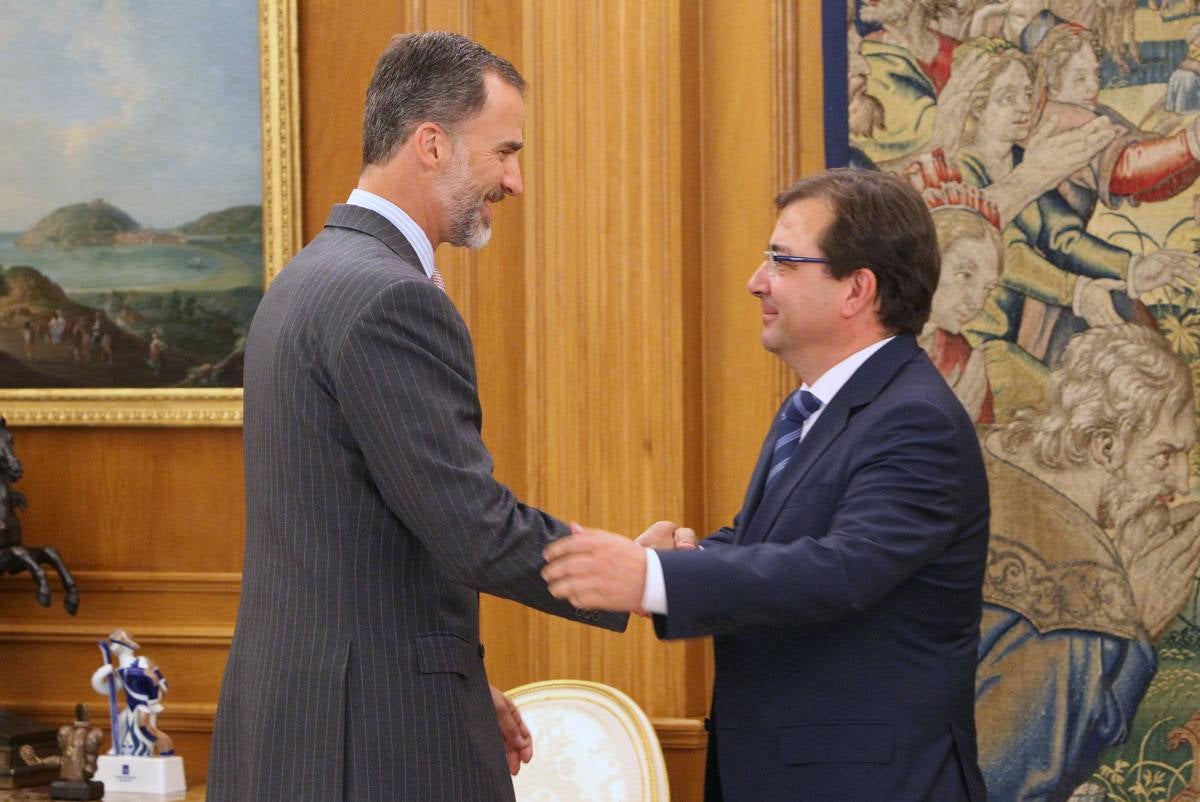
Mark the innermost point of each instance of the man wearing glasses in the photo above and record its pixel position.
(844, 600)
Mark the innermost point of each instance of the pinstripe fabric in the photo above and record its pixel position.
(372, 522)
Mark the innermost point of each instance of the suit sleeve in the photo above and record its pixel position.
(405, 381)
(900, 511)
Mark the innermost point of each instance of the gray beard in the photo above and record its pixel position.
(1134, 516)
(464, 209)
(467, 229)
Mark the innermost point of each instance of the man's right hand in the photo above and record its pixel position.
(664, 536)
(1163, 575)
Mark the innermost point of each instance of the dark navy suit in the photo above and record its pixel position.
(844, 602)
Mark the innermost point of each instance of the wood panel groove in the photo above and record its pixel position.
(177, 716)
(672, 733)
(140, 581)
(174, 635)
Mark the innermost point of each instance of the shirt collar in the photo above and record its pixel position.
(826, 387)
(397, 217)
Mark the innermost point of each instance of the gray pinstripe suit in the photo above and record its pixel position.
(372, 521)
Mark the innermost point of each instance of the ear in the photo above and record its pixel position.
(861, 292)
(432, 143)
(1107, 450)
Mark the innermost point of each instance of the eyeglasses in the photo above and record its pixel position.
(779, 263)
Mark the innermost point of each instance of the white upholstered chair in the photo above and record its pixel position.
(591, 743)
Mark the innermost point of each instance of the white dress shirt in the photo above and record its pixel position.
(654, 594)
(397, 217)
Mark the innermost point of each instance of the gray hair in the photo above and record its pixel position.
(427, 77)
(1113, 380)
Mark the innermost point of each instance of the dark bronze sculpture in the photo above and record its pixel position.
(15, 558)
(79, 744)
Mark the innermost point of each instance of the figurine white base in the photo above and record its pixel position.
(141, 775)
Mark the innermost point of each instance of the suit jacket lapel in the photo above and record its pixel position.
(371, 223)
(862, 388)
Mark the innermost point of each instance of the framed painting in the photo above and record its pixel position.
(151, 190)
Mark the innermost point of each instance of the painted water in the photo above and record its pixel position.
(204, 263)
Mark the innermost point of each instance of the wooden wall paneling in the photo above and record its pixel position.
(135, 499)
(810, 101)
(339, 45)
(739, 168)
(603, 287)
(689, 139)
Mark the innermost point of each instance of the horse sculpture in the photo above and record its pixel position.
(15, 558)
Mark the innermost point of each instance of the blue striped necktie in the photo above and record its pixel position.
(799, 408)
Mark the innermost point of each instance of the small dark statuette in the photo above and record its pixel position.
(15, 558)
(79, 744)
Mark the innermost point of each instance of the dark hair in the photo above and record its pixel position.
(426, 77)
(880, 223)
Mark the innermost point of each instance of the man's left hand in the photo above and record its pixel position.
(518, 743)
(594, 569)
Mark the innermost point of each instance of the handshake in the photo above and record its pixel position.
(595, 569)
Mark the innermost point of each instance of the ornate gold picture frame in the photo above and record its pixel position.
(280, 237)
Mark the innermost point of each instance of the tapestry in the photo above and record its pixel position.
(1057, 143)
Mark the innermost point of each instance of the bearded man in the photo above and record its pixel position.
(373, 520)
(1088, 563)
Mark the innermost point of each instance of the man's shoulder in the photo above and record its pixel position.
(917, 382)
(340, 255)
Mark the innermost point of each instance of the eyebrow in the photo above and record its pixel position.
(779, 248)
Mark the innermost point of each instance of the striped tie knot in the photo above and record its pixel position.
(800, 407)
(437, 279)
(803, 405)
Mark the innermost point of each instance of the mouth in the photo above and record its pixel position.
(485, 208)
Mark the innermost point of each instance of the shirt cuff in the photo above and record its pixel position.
(654, 595)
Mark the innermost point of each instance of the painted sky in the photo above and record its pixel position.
(151, 105)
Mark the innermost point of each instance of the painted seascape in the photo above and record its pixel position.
(130, 205)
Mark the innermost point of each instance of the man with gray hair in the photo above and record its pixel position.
(1087, 564)
(373, 520)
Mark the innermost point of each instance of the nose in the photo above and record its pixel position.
(512, 183)
(759, 284)
(973, 296)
